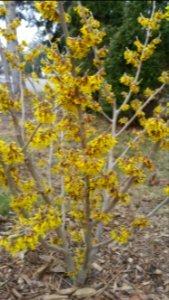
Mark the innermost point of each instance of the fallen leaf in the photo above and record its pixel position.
(16, 294)
(97, 267)
(55, 297)
(136, 297)
(58, 269)
(84, 292)
(26, 279)
(157, 272)
(41, 270)
(126, 287)
(67, 291)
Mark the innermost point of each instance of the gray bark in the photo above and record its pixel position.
(12, 45)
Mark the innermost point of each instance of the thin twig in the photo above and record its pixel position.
(51, 148)
(140, 109)
(31, 137)
(53, 247)
(152, 212)
(23, 105)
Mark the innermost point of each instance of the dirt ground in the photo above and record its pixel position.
(138, 270)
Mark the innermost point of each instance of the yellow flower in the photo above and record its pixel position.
(136, 104)
(148, 92)
(3, 10)
(125, 107)
(5, 102)
(156, 129)
(166, 190)
(140, 222)
(123, 120)
(3, 178)
(139, 45)
(126, 79)
(121, 237)
(164, 78)
(12, 154)
(100, 145)
(158, 109)
(132, 57)
(134, 88)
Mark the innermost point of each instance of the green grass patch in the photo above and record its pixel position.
(4, 204)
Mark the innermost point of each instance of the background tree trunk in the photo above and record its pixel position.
(12, 45)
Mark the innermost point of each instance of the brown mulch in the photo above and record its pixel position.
(138, 270)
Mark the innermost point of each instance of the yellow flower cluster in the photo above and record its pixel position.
(148, 92)
(152, 24)
(149, 50)
(131, 167)
(100, 216)
(164, 78)
(70, 127)
(107, 181)
(157, 110)
(126, 79)
(44, 220)
(135, 104)
(14, 24)
(49, 11)
(139, 45)
(33, 53)
(3, 11)
(15, 244)
(78, 215)
(132, 57)
(43, 138)
(90, 166)
(44, 113)
(3, 178)
(125, 107)
(77, 162)
(134, 87)
(166, 15)
(5, 102)
(82, 11)
(91, 36)
(76, 236)
(121, 236)
(79, 258)
(142, 54)
(123, 120)
(23, 201)
(11, 153)
(165, 144)
(101, 53)
(107, 93)
(74, 186)
(77, 91)
(166, 190)
(26, 186)
(8, 35)
(100, 145)
(156, 129)
(140, 222)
